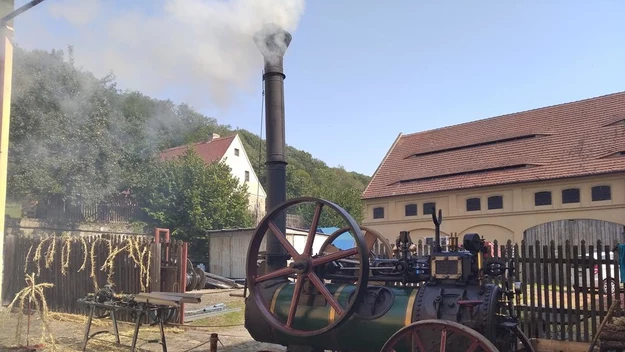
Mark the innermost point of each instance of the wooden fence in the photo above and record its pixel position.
(558, 301)
(77, 266)
(102, 212)
(566, 289)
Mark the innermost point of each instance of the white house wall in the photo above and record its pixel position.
(239, 165)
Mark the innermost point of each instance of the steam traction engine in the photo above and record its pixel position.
(350, 300)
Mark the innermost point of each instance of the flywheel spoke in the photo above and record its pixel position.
(334, 256)
(324, 291)
(282, 238)
(313, 230)
(474, 346)
(416, 342)
(444, 339)
(297, 291)
(275, 274)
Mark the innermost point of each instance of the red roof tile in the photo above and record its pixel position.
(208, 151)
(567, 140)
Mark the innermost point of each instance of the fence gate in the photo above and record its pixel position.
(576, 230)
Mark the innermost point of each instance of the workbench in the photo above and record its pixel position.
(138, 306)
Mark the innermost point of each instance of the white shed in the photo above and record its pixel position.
(227, 249)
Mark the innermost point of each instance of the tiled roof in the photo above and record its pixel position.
(575, 139)
(208, 151)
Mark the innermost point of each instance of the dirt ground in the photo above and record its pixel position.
(68, 331)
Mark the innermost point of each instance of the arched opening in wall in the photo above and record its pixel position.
(576, 230)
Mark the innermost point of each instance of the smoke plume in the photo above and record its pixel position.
(205, 47)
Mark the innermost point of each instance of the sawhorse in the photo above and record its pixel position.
(141, 311)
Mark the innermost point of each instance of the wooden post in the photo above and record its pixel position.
(212, 347)
(155, 267)
(6, 76)
(183, 275)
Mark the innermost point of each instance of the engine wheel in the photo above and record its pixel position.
(438, 335)
(304, 268)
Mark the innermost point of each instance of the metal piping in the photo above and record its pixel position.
(272, 42)
(4, 20)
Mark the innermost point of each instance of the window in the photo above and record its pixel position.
(542, 198)
(495, 202)
(474, 204)
(378, 213)
(428, 208)
(247, 176)
(411, 209)
(236, 152)
(570, 195)
(601, 193)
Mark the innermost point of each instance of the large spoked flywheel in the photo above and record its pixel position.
(306, 268)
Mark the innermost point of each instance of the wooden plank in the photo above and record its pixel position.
(156, 301)
(545, 292)
(178, 297)
(569, 303)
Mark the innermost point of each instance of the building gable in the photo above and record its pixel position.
(240, 164)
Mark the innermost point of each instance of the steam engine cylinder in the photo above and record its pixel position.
(383, 311)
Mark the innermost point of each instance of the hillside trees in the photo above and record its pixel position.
(78, 138)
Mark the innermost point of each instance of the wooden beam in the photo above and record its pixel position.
(6, 76)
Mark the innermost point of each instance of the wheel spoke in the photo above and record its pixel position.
(443, 339)
(313, 230)
(324, 291)
(282, 238)
(274, 274)
(296, 294)
(416, 342)
(334, 256)
(474, 346)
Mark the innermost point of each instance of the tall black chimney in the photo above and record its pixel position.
(273, 41)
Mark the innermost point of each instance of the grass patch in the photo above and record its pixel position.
(226, 319)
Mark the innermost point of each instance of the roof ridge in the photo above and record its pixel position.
(198, 143)
(516, 113)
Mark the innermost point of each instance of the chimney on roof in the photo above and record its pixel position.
(213, 136)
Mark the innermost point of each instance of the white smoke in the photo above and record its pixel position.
(204, 47)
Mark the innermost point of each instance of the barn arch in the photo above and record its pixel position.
(576, 230)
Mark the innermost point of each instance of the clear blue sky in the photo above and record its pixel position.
(361, 71)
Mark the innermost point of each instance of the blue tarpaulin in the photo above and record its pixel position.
(343, 242)
(621, 260)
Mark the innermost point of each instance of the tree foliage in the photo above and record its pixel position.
(192, 197)
(79, 138)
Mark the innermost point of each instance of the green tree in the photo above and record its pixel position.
(66, 140)
(192, 197)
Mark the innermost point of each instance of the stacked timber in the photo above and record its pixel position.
(612, 336)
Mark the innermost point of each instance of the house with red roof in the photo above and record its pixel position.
(230, 150)
(553, 173)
